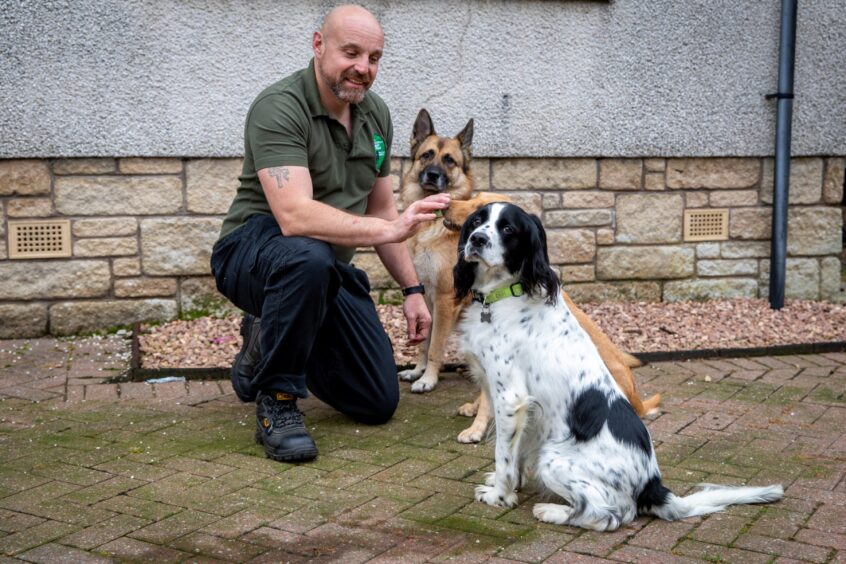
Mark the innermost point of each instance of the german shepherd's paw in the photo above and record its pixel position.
(472, 434)
(469, 409)
(411, 374)
(424, 384)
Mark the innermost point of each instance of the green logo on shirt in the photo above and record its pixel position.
(381, 151)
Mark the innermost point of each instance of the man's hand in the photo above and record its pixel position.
(418, 318)
(416, 214)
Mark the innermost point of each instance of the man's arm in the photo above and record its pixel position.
(397, 260)
(290, 193)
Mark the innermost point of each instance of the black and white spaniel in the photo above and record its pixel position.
(561, 419)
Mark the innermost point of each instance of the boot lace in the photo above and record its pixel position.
(284, 413)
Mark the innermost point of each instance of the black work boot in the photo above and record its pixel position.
(246, 360)
(280, 428)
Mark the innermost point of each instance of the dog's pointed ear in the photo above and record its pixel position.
(423, 128)
(536, 270)
(464, 273)
(465, 139)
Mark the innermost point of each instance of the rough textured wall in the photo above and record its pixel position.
(542, 78)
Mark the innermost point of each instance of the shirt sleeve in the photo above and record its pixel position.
(277, 131)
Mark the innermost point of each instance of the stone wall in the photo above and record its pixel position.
(142, 230)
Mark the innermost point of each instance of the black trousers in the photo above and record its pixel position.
(319, 327)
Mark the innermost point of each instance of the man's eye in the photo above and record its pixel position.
(449, 160)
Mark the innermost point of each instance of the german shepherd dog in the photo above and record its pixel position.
(442, 164)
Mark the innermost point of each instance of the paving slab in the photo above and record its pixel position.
(95, 471)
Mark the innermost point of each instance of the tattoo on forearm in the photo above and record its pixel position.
(280, 174)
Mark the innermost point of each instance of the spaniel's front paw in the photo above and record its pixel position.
(493, 496)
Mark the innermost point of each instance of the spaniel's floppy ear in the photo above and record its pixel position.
(423, 128)
(464, 273)
(536, 270)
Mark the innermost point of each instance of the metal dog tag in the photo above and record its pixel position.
(486, 313)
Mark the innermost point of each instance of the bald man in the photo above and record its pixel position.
(315, 186)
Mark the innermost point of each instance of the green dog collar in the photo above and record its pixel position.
(486, 300)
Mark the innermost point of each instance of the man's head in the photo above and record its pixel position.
(347, 50)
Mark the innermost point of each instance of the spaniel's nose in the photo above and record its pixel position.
(479, 239)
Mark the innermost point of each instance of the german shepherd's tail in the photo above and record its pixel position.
(661, 502)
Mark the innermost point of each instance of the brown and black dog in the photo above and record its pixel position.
(442, 164)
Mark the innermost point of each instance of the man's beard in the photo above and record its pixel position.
(348, 95)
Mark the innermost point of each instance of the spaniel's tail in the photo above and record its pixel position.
(661, 502)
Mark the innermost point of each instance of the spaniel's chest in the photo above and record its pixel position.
(504, 328)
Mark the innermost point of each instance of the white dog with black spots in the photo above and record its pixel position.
(561, 420)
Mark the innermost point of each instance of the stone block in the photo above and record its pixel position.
(696, 199)
(29, 207)
(578, 273)
(578, 218)
(144, 287)
(587, 200)
(650, 218)
(734, 198)
(481, 169)
(833, 180)
(830, 280)
(379, 276)
(84, 166)
(604, 236)
(105, 227)
(745, 249)
(806, 181)
(814, 231)
(655, 165)
(135, 165)
(118, 195)
(654, 181)
(543, 174)
(707, 250)
(710, 289)
(620, 174)
(200, 294)
(130, 266)
(532, 202)
(178, 246)
(105, 247)
(552, 200)
(24, 177)
(725, 267)
(568, 246)
(645, 263)
(801, 279)
(750, 223)
(21, 321)
(728, 172)
(39, 280)
(69, 318)
(211, 184)
(597, 292)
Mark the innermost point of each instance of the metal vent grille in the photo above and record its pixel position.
(706, 225)
(39, 239)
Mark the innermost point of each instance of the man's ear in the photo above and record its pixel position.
(423, 128)
(317, 44)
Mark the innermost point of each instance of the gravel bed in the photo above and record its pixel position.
(210, 342)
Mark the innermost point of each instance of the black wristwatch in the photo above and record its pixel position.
(419, 289)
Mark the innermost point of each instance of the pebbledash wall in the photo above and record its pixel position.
(609, 119)
(142, 230)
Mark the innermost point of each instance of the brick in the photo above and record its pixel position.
(713, 173)
(105, 247)
(543, 174)
(210, 184)
(177, 246)
(135, 165)
(29, 207)
(118, 195)
(24, 177)
(144, 287)
(105, 227)
(84, 166)
(620, 174)
(133, 550)
(782, 547)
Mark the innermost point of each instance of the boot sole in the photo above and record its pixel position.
(295, 455)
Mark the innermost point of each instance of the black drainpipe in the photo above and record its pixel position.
(781, 186)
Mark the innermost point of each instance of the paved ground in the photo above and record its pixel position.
(92, 471)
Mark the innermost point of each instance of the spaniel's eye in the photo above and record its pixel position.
(448, 160)
(427, 155)
(508, 230)
(477, 221)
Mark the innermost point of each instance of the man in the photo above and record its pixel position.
(315, 185)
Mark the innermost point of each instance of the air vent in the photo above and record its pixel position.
(706, 225)
(39, 239)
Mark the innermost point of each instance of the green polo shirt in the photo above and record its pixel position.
(287, 125)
